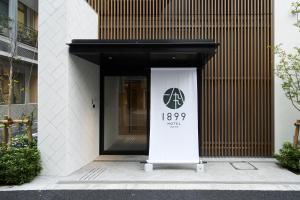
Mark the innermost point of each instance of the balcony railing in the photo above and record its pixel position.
(26, 34)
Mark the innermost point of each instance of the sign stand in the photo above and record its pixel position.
(174, 118)
(148, 167)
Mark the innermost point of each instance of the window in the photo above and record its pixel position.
(33, 89)
(22, 13)
(4, 17)
(27, 23)
(125, 111)
(33, 19)
(18, 87)
(4, 8)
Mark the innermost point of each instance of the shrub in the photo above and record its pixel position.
(20, 163)
(289, 157)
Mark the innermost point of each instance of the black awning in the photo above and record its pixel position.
(146, 53)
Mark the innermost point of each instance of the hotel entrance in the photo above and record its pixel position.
(125, 115)
(125, 68)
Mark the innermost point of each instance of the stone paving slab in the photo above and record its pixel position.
(215, 172)
(108, 174)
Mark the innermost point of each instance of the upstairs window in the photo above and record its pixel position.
(4, 8)
(18, 96)
(4, 17)
(22, 14)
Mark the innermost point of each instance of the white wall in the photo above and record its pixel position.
(68, 125)
(287, 35)
(83, 119)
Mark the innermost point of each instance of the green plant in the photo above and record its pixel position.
(289, 157)
(21, 141)
(20, 163)
(296, 12)
(288, 68)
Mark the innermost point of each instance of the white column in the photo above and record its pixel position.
(68, 125)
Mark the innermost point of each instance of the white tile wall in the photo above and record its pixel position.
(83, 119)
(287, 35)
(68, 126)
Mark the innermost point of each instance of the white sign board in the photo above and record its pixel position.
(174, 116)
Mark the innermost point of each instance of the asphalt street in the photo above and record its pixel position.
(148, 195)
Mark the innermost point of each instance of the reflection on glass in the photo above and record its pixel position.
(125, 113)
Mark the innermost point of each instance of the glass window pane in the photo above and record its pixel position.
(18, 87)
(33, 19)
(33, 89)
(21, 14)
(125, 113)
(4, 8)
(4, 74)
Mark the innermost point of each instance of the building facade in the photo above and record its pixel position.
(237, 84)
(96, 100)
(21, 17)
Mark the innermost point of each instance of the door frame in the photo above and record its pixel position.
(120, 72)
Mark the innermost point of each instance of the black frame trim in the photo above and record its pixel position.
(135, 57)
(103, 74)
(144, 53)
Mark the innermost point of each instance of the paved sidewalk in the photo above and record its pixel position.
(127, 174)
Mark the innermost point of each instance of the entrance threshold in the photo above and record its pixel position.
(121, 158)
(142, 158)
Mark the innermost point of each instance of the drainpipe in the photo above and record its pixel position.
(13, 15)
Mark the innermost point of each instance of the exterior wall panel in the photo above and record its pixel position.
(68, 128)
(288, 35)
(237, 84)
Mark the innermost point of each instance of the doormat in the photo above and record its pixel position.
(243, 165)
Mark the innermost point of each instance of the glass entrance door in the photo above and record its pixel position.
(125, 114)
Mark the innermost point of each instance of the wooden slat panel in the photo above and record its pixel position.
(237, 84)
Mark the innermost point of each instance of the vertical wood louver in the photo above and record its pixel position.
(237, 84)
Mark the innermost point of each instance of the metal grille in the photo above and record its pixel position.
(27, 53)
(30, 52)
(4, 46)
(92, 174)
(237, 97)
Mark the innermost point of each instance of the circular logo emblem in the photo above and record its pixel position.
(174, 98)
